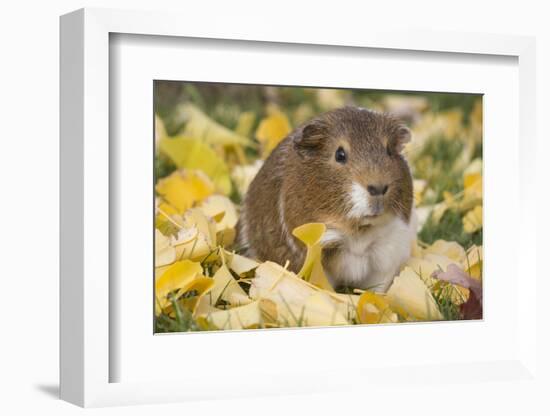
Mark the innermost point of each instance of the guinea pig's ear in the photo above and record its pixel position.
(310, 137)
(400, 138)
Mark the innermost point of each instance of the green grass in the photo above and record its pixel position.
(183, 321)
(449, 229)
(443, 298)
(435, 165)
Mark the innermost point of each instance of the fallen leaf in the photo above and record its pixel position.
(473, 264)
(318, 310)
(224, 212)
(456, 275)
(373, 308)
(250, 316)
(202, 128)
(191, 153)
(239, 264)
(424, 268)
(473, 220)
(450, 249)
(409, 293)
(168, 219)
(160, 130)
(419, 186)
(179, 278)
(472, 173)
(272, 277)
(165, 253)
(272, 130)
(183, 188)
(312, 269)
(426, 265)
(245, 123)
(227, 289)
(243, 175)
(472, 309)
(422, 215)
(197, 237)
(439, 210)
(300, 303)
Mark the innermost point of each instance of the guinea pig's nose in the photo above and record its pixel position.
(376, 190)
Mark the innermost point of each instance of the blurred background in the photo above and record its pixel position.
(232, 128)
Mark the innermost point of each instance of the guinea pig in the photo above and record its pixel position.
(344, 169)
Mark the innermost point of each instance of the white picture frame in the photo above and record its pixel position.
(86, 293)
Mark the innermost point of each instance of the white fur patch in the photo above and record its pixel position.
(331, 236)
(359, 198)
(371, 259)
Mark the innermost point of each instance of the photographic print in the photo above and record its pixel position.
(291, 206)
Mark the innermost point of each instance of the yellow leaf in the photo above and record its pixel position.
(272, 277)
(201, 286)
(253, 315)
(298, 302)
(239, 264)
(447, 124)
(318, 310)
(472, 173)
(416, 249)
(197, 237)
(476, 116)
(473, 220)
(223, 211)
(165, 253)
(160, 270)
(197, 218)
(373, 308)
(245, 123)
(312, 269)
(450, 249)
(473, 264)
(183, 188)
(424, 267)
(272, 130)
(438, 211)
(243, 175)
(409, 293)
(160, 131)
(422, 215)
(202, 128)
(419, 186)
(191, 153)
(204, 307)
(180, 276)
(438, 257)
(168, 219)
(227, 289)
(473, 186)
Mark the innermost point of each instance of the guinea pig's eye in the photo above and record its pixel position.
(340, 155)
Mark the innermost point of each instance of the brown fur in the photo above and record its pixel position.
(302, 175)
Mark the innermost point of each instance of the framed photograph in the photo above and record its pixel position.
(300, 214)
(285, 207)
